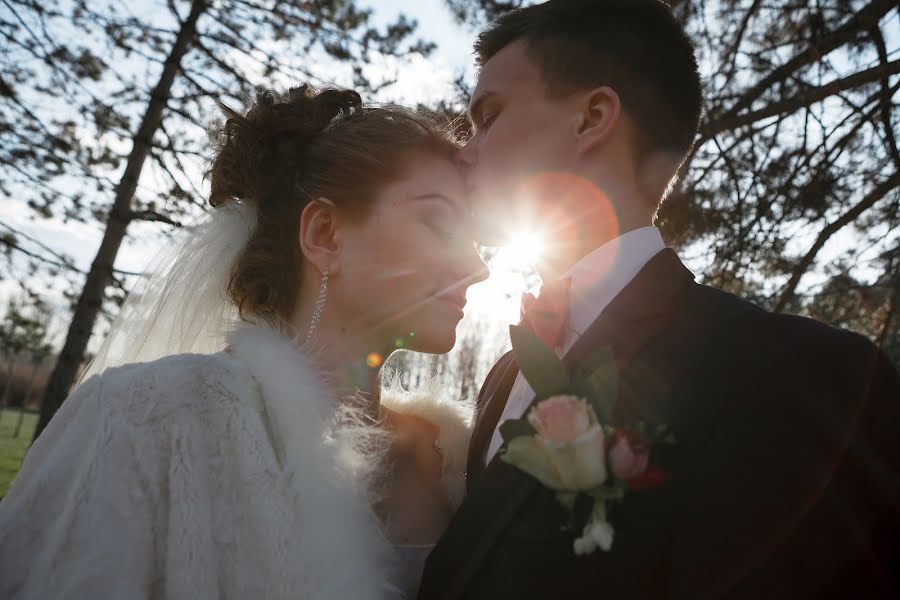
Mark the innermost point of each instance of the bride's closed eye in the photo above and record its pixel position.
(441, 221)
(441, 216)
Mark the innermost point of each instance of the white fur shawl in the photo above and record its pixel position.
(206, 476)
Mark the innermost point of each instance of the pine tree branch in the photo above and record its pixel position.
(800, 100)
(61, 260)
(12, 244)
(152, 215)
(887, 326)
(872, 198)
(865, 19)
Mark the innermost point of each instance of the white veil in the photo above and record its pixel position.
(180, 303)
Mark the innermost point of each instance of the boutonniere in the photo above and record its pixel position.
(567, 440)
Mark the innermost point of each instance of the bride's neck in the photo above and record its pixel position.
(353, 362)
(351, 354)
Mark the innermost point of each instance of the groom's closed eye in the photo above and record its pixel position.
(487, 118)
(484, 110)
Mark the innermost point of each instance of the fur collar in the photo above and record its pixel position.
(326, 471)
(330, 467)
(275, 359)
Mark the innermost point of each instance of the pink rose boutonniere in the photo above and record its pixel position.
(566, 440)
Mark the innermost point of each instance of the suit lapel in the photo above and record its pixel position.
(497, 388)
(638, 312)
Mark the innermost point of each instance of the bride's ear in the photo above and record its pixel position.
(598, 114)
(319, 239)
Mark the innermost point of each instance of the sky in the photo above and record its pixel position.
(454, 42)
(421, 80)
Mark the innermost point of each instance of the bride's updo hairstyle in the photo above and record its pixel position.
(287, 150)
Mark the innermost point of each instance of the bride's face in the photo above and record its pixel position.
(405, 267)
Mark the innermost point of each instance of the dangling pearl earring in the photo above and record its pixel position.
(320, 306)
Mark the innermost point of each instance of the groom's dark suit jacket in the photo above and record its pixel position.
(785, 476)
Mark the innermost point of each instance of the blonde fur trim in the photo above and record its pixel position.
(454, 417)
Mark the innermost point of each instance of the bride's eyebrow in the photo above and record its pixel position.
(440, 197)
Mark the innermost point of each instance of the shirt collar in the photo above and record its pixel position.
(601, 275)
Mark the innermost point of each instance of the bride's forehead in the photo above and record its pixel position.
(434, 171)
(428, 183)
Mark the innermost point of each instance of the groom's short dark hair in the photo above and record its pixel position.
(636, 47)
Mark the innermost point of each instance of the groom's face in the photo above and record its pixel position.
(520, 133)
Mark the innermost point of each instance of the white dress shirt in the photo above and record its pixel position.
(596, 280)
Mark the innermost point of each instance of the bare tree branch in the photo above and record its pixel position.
(805, 98)
(864, 20)
(872, 198)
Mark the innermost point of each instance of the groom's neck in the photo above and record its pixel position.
(590, 222)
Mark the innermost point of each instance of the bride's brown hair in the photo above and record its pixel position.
(287, 150)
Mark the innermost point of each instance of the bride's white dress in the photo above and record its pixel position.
(209, 476)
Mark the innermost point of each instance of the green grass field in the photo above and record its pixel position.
(12, 449)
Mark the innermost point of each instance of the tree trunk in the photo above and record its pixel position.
(100, 275)
(887, 328)
(34, 369)
(4, 402)
(880, 191)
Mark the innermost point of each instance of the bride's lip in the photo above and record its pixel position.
(457, 301)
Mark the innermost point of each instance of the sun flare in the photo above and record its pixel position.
(513, 271)
(524, 249)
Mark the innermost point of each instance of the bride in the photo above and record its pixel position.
(231, 439)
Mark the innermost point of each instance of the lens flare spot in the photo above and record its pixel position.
(374, 360)
(560, 207)
(399, 343)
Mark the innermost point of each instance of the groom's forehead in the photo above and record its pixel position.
(509, 67)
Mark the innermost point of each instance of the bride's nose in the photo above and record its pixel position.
(473, 268)
(467, 156)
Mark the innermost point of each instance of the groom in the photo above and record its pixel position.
(784, 481)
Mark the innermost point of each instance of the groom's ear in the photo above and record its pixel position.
(319, 236)
(598, 113)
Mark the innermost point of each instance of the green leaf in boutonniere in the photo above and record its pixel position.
(514, 428)
(597, 379)
(663, 435)
(614, 489)
(539, 365)
(567, 500)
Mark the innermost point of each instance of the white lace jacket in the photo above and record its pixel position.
(205, 476)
